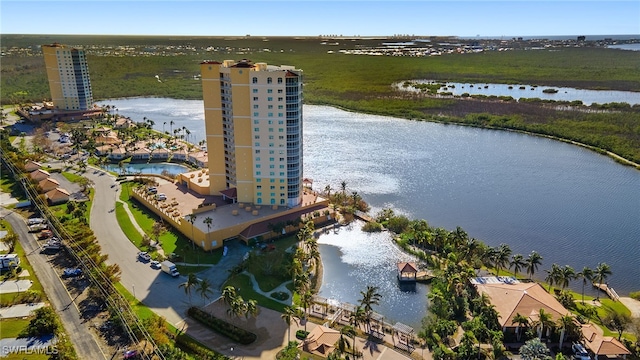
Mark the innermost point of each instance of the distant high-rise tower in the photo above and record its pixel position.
(68, 75)
(253, 121)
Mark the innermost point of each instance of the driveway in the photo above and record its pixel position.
(74, 189)
(20, 310)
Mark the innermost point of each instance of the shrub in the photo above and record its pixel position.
(301, 334)
(222, 327)
(280, 295)
(372, 226)
(188, 344)
(635, 295)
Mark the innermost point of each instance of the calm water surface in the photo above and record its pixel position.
(150, 168)
(571, 205)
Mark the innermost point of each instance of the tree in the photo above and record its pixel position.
(553, 275)
(565, 322)
(544, 321)
(533, 261)
(157, 230)
(565, 276)
(586, 275)
(190, 284)
(287, 316)
(208, 221)
(370, 297)
(205, 289)
(617, 321)
(191, 218)
(601, 273)
(522, 321)
(305, 301)
(517, 263)
(502, 257)
(10, 241)
(534, 349)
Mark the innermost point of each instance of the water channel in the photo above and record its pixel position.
(523, 91)
(575, 207)
(148, 168)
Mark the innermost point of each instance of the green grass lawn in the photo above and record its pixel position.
(256, 263)
(9, 186)
(35, 286)
(139, 308)
(243, 286)
(172, 240)
(11, 328)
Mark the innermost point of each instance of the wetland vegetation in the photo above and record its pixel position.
(127, 66)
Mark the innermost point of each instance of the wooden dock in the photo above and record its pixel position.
(607, 290)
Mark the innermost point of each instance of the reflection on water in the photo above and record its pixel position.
(353, 260)
(523, 91)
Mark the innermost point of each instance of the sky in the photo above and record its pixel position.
(313, 18)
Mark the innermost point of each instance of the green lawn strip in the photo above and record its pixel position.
(11, 328)
(35, 286)
(74, 178)
(139, 308)
(127, 226)
(19, 356)
(172, 240)
(243, 286)
(10, 186)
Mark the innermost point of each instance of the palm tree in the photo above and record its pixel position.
(564, 322)
(517, 263)
(553, 275)
(544, 320)
(565, 276)
(305, 301)
(208, 221)
(204, 289)
(327, 189)
(601, 273)
(370, 297)
(357, 317)
(171, 126)
(287, 316)
(502, 257)
(192, 282)
(533, 261)
(251, 308)
(522, 321)
(534, 349)
(192, 218)
(586, 275)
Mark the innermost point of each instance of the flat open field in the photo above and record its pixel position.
(123, 66)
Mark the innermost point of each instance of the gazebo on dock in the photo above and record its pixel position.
(320, 306)
(376, 325)
(407, 271)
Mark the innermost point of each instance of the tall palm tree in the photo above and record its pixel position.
(586, 275)
(522, 321)
(251, 308)
(517, 263)
(502, 257)
(305, 301)
(208, 221)
(287, 316)
(370, 297)
(565, 276)
(191, 283)
(171, 126)
(544, 321)
(533, 261)
(205, 289)
(357, 317)
(553, 275)
(601, 273)
(192, 219)
(564, 322)
(327, 189)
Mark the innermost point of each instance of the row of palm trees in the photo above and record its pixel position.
(202, 287)
(562, 276)
(237, 306)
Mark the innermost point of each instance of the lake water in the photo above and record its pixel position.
(148, 168)
(575, 207)
(632, 47)
(523, 91)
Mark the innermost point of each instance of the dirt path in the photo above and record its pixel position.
(632, 304)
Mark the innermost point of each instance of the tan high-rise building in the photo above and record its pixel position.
(253, 118)
(68, 76)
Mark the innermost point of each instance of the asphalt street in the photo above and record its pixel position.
(79, 332)
(154, 288)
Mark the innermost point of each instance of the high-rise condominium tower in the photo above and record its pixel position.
(68, 75)
(253, 116)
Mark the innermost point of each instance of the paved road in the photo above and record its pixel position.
(154, 288)
(78, 331)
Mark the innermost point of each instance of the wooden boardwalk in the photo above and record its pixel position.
(607, 290)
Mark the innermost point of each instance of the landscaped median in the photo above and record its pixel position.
(222, 327)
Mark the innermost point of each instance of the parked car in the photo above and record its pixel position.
(161, 197)
(130, 354)
(45, 234)
(155, 264)
(37, 227)
(580, 352)
(152, 190)
(144, 256)
(34, 221)
(71, 272)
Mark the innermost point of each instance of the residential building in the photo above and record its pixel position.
(253, 117)
(68, 75)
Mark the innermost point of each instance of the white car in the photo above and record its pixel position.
(155, 264)
(580, 352)
(161, 197)
(144, 256)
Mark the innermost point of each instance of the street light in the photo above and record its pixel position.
(134, 291)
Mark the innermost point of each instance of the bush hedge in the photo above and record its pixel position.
(222, 327)
(635, 295)
(301, 334)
